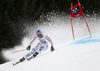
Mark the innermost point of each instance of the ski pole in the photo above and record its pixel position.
(18, 51)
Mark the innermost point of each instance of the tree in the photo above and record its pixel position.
(31, 8)
(53, 5)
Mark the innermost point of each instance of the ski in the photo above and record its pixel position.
(30, 58)
(15, 63)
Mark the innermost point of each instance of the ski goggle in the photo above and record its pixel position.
(39, 34)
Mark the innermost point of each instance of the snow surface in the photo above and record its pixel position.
(79, 55)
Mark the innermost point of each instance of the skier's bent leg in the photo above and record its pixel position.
(27, 56)
(21, 60)
(34, 55)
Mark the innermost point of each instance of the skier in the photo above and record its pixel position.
(41, 46)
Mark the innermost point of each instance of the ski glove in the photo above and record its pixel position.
(28, 48)
(52, 49)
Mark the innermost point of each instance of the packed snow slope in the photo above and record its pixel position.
(79, 55)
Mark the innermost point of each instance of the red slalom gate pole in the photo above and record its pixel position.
(72, 24)
(78, 1)
(85, 20)
(18, 51)
(87, 24)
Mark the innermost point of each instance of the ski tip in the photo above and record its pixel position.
(13, 64)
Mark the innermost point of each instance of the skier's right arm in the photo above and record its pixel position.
(29, 46)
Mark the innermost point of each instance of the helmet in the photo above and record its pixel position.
(38, 32)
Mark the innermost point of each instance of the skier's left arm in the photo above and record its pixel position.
(52, 47)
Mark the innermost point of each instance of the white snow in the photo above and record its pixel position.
(75, 56)
(80, 55)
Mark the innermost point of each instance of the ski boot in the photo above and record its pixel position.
(21, 60)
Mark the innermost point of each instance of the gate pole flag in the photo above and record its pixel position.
(75, 12)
